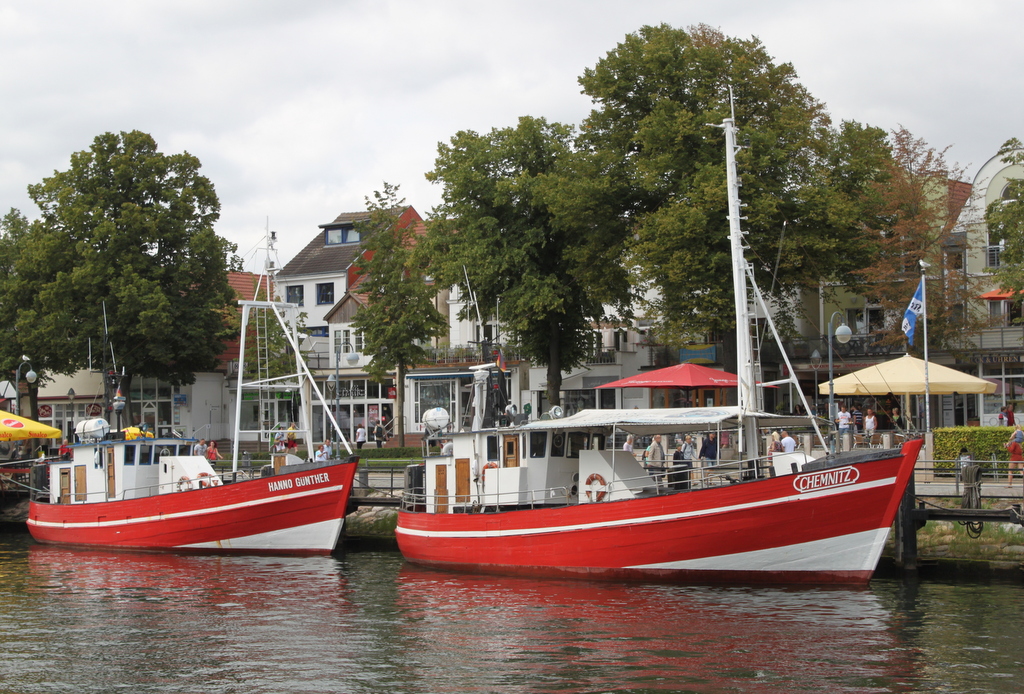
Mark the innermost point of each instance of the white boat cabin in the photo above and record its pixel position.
(104, 469)
(577, 460)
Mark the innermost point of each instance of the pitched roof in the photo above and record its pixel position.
(317, 258)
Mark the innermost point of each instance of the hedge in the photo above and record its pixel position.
(980, 442)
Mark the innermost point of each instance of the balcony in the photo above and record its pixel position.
(1010, 337)
(464, 355)
(859, 346)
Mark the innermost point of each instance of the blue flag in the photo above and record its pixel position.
(913, 311)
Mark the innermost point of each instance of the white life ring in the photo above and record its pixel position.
(597, 488)
(184, 483)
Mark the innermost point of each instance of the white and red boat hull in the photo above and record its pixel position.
(294, 513)
(827, 526)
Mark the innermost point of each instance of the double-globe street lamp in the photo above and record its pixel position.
(30, 377)
(352, 357)
(842, 335)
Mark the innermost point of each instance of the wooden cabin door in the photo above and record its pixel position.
(511, 454)
(111, 486)
(441, 488)
(462, 480)
(81, 492)
(65, 486)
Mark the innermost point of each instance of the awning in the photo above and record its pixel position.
(998, 295)
(448, 375)
(665, 420)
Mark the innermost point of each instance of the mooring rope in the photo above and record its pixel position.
(971, 476)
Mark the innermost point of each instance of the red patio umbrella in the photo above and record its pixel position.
(678, 376)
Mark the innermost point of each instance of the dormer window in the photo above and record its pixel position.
(338, 235)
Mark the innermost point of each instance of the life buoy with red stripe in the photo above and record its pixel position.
(597, 488)
(184, 483)
(489, 466)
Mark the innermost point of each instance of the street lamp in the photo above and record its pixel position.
(815, 363)
(842, 334)
(352, 357)
(30, 377)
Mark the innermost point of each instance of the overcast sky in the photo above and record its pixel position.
(298, 110)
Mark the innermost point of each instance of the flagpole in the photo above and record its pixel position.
(924, 313)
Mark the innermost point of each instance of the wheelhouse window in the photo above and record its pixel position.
(578, 441)
(294, 294)
(325, 293)
(558, 444)
(538, 443)
(492, 448)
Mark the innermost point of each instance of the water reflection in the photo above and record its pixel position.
(90, 621)
(546, 634)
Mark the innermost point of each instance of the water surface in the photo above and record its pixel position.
(97, 621)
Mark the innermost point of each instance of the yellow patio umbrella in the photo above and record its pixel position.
(906, 376)
(15, 428)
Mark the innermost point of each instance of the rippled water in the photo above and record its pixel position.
(93, 621)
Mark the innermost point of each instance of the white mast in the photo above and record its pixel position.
(744, 351)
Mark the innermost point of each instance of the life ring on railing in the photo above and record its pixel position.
(596, 492)
(184, 483)
(489, 466)
(205, 480)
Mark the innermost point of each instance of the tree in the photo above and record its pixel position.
(917, 219)
(125, 247)
(1005, 218)
(659, 97)
(527, 220)
(399, 311)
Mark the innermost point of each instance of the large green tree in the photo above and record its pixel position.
(399, 312)
(659, 96)
(529, 221)
(125, 247)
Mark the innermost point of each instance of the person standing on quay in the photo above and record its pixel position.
(709, 449)
(379, 435)
(1016, 458)
(360, 436)
(655, 453)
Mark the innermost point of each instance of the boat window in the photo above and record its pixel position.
(492, 448)
(129, 454)
(145, 455)
(578, 441)
(598, 441)
(538, 443)
(558, 444)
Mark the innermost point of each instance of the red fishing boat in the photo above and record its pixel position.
(148, 493)
(560, 497)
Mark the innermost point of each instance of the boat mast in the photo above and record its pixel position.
(744, 350)
(741, 272)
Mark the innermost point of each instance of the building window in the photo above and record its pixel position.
(339, 235)
(325, 293)
(354, 338)
(294, 294)
(319, 331)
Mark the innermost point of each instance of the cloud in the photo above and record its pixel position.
(300, 110)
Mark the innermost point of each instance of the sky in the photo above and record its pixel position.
(300, 110)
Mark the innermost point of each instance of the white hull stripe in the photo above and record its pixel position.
(833, 491)
(312, 536)
(182, 514)
(853, 552)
